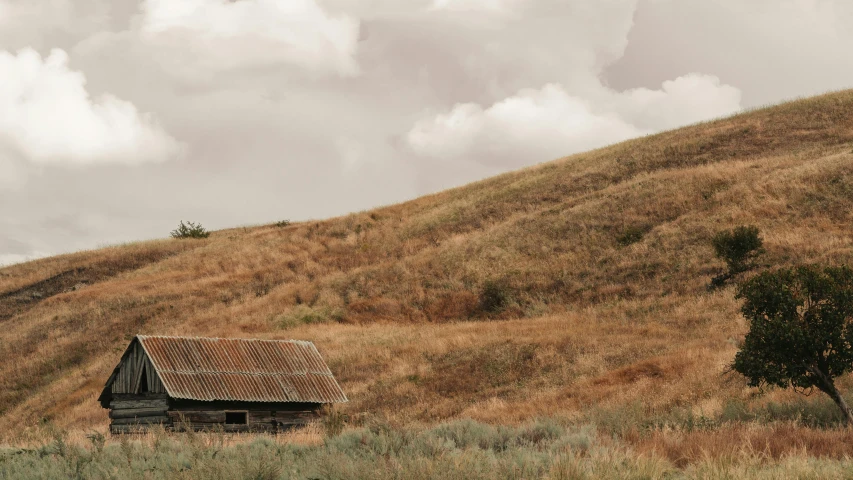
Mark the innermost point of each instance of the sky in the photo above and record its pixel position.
(119, 118)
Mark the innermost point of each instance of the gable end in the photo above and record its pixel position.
(134, 368)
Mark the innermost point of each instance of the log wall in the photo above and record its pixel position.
(129, 412)
(263, 417)
(134, 413)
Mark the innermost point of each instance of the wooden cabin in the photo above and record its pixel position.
(232, 385)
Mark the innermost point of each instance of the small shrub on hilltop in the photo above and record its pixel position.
(189, 230)
(738, 248)
(282, 223)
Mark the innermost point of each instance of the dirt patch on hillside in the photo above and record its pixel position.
(18, 301)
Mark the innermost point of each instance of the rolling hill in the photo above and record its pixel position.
(574, 288)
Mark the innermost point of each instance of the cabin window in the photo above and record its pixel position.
(235, 418)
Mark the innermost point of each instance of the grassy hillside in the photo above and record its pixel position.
(575, 289)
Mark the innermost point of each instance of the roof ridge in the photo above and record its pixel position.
(178, 337)
(256, 374)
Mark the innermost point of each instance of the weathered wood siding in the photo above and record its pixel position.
(135, 413)
(130, 373)
(258, 420)
(129, 412)
(264, 417)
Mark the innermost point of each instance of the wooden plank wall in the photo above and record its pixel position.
(130, 371)
(135, 413)
(154, 383)
(258, 420)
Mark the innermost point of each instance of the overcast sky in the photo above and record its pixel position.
(118, 118)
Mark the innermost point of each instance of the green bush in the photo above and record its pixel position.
(494, 296)
(189, 230)
(738, 248)
(282, 223)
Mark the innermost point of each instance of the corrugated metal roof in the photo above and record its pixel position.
(242, 369)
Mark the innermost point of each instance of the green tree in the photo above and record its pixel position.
(800, 329)
(189, 230)
(738, 248)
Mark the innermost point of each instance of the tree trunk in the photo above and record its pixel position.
(834, 394)
(839, 400)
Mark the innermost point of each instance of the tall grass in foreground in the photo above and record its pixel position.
(462, 449)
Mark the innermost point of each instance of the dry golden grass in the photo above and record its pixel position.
(766, 442)
(596, 322)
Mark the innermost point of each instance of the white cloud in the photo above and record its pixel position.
(13, 171)
(537, 125)
(531, 126)
(40, 23)
(352, 154)
(497, 6)
(47, 117)
(771, 49)
(250, 33)
(687, 99)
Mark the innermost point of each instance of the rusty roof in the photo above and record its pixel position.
(234, 369)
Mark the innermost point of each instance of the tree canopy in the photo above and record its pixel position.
(800, 329)
(739, 248)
